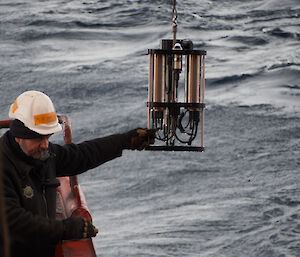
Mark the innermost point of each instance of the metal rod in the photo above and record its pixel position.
(174, 148)
(186, 80)
(202, 101)
(200, 79)
(5, 123)
(150, 88)
(203, 79)
(198, 85)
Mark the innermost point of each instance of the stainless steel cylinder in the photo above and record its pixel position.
(150, 87)
(192, 78)
(159, 78)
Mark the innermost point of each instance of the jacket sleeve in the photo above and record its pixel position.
(24, 225)
(73, 159)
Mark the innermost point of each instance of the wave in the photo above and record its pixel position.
(229, 79)
(273, 14)
(278, 32)
(249, 40)
(283, 65)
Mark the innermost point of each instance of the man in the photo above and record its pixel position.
(31, 164)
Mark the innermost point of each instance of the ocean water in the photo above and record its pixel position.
(241, 197)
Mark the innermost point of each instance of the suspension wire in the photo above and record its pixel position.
(3, 219)
(174, 24)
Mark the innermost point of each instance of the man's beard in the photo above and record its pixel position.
(44, 155)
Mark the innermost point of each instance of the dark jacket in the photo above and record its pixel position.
(30, 189)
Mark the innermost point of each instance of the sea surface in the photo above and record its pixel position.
(241, 197)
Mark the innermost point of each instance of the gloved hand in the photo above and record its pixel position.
(139, 139)
(78, 228)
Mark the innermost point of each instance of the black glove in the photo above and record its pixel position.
(78, 228)
(139, 139)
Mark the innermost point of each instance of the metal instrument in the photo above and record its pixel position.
(177, 123)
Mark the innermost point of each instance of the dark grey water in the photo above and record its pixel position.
(238, 198)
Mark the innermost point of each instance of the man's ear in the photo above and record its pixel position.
(17, 140)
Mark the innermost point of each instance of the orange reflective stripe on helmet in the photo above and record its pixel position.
(44, 118)
(14, 106)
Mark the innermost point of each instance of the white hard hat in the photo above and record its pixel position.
(36, 111)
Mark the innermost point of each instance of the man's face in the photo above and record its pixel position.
(37, 148)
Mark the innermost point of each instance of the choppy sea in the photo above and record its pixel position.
(241, 197)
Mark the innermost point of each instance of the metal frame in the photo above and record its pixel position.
(164, 110)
